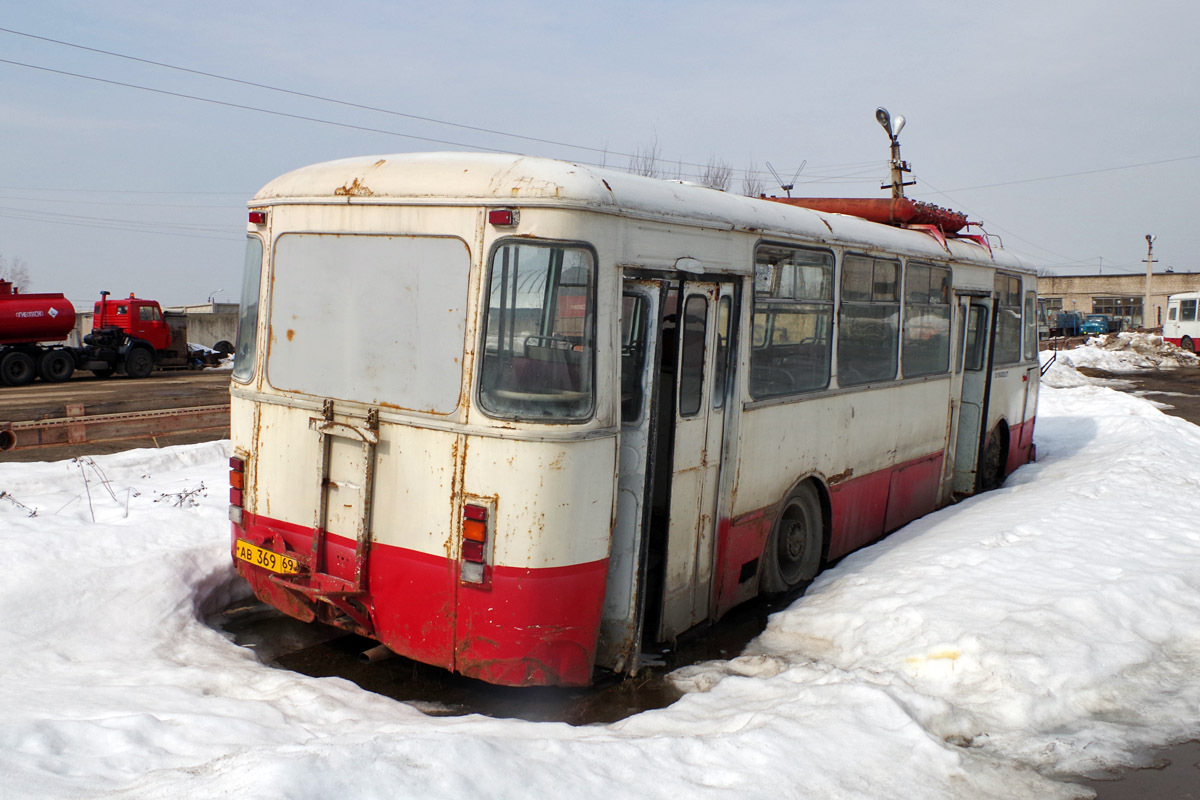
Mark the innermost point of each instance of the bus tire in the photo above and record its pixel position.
(55, 366)
(1187, 344)
(139, 363)
(793, 555)
(17, 369)
(991, 464)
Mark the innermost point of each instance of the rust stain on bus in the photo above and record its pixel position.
(841, 477)
(355, 188)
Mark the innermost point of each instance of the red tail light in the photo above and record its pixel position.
(237, 483)
(473, 568)
(503, 217)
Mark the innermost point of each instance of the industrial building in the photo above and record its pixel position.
(1118, 295)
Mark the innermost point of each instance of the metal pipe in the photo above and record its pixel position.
(376, 654)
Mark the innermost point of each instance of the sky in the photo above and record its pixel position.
(1067, 129)
(989, 651)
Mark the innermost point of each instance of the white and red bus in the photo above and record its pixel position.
(516, 417)
(1182, 327)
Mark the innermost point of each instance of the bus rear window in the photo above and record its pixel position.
(370, 318)
(538, 343)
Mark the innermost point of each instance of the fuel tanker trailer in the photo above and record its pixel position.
(27, 323)
(129, 335)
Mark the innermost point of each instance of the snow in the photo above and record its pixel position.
(1046, 628)
(1127, 352)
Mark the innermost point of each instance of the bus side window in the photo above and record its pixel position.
(633, 355)
(925, 347)
(870, 320)
(976, 338)
(691, 355)
(960, 338)
(1031, 337)
(721, 367)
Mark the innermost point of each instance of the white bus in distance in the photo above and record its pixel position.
(1182, 327)
(519, 417)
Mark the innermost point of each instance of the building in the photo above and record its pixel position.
(1116, 295)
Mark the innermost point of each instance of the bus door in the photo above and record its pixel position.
(642, 303)
(974, 362)
(698, 346)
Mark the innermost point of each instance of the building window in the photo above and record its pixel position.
(1127, 309)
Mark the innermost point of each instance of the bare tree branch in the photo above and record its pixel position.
(16, 271)
(718, 174)
(752, 185)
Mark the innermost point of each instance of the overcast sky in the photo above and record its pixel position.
(1068, 128)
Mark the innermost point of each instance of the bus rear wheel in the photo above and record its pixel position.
(793, 554)
(1188, 344)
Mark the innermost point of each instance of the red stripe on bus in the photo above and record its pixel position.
(864, 508)
(530, 627)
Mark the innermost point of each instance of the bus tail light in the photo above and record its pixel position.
(504, 217)
(474, 544)
(237, 483)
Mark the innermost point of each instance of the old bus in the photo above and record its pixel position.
(1182, 327)
(517, 417)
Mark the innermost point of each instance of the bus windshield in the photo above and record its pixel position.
(539, 347)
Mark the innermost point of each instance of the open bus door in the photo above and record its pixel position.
(976, 341)
(697, 422)
(675, 366)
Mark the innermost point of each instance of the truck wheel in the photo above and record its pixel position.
(55, 366)
(223, 347)
(139, 363)
(16, 369)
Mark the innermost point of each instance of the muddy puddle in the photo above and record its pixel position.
(319, 651)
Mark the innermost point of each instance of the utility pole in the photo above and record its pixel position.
(1146, 324)
(899, 167)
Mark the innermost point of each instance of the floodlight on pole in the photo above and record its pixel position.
(1146, 324)
(893, 126)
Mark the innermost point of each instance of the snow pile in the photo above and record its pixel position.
(1128, 352)
(1047, 627)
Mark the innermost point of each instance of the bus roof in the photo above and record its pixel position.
(524, 181)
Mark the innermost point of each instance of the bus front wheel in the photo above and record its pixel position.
(793, 554)
(1188, 344)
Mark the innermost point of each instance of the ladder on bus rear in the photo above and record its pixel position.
(317, 584)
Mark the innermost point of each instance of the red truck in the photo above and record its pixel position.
(129, 335)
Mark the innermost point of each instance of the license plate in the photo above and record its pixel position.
(267, 559)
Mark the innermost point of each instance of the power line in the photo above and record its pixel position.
(376, 109)
(1077, 174)
(249, 108)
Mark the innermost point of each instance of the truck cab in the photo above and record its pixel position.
(140, 319)
(1095, 324)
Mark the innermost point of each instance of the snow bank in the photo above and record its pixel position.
(1047, 627)
(1128, 352)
